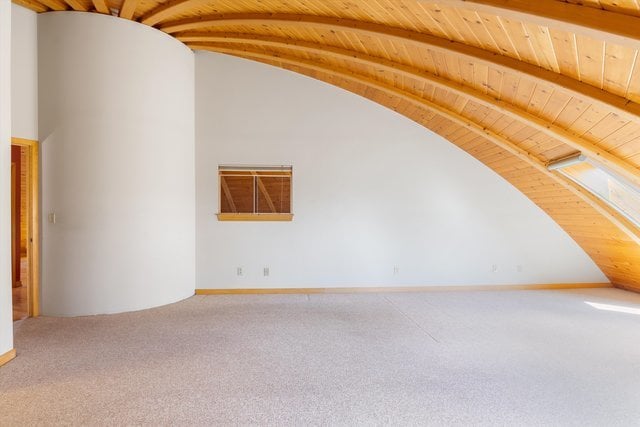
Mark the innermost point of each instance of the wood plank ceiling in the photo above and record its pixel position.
(515, 83)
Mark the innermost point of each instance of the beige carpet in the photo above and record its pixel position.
(464, 358)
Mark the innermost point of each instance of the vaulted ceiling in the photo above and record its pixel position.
(515, 83)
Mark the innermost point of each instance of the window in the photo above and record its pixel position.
(250, 193)
(614, 190)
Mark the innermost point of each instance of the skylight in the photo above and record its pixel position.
(613, 189)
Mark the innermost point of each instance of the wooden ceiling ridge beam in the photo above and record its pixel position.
(620, 166)
(632, 232)
(611, 102)
(599, 24)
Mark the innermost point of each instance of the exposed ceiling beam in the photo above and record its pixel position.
(32, 5)
(614, 103)
(78, 5)
(200, 40)
(227, 194)
(618, 220)
(599, 24)
(265, 193)
(128, 8)
(102, 6)
(55, 4)
(166, 10)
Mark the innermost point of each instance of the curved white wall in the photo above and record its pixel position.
(116, 123)
(372, 190)
(6, 318)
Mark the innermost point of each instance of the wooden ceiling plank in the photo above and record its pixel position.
(128, 8)
(615, 103)
(200, 40)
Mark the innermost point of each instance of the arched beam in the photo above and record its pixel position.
(599, 24)
(609, 101)
(618, 220)
(630, 172)
(166, 10)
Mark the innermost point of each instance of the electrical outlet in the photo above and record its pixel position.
(396, 270)
(239, 271)
(265, 271)
(52, 218)
(494, 268)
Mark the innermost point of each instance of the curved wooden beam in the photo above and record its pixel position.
(599, 24)
(166, 10)
(618, 220)
(630, 172)
(611, 102)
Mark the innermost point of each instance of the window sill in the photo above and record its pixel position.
(255, 217)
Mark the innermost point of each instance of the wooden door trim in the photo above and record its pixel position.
(33, 237)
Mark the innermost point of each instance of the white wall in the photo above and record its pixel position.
(6, 316)
(24, 73)
(116, 124)
(372, 190)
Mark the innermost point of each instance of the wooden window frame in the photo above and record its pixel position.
(255, 171)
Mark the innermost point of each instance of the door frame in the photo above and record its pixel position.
(33, 215)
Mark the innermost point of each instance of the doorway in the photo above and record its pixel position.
(24, 228)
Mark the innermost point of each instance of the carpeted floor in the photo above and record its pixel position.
(464, 358)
